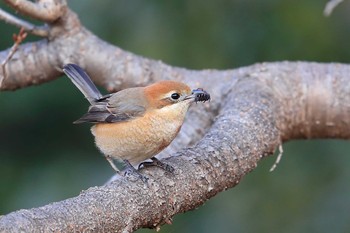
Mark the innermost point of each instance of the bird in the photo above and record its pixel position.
(135, 124)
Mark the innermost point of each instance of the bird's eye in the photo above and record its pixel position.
(175, 96)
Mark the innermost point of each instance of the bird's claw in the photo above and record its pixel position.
(157, 163)
(130, 170)
(134, 172)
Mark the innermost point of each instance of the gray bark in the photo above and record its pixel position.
(253, 110)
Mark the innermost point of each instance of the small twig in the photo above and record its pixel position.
(278, 159)
(17, 40)
(31, 28)
(330, 6)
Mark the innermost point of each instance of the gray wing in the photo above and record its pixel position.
(118, 107)
(103, 114)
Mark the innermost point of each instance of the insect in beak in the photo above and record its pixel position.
(199, 95)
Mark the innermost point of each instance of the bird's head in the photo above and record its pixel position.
(173, 95)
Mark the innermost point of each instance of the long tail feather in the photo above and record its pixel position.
(83, 82)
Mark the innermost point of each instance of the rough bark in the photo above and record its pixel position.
(253, 110)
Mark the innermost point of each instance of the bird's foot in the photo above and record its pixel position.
(130, 170)
(157, 163)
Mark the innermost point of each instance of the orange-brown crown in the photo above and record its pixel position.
(157, 94)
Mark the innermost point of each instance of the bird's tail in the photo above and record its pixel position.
(83, 82)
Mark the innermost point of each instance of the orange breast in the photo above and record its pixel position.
(138, 139)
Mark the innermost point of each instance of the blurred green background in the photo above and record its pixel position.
(45, 158)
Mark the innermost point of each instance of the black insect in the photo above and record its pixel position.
(201, 95)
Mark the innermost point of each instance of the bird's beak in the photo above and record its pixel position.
(198, 95)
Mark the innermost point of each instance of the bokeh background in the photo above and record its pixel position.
(45, 158)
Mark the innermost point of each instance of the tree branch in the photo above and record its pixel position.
(330, 6)
(31, 28)
(254, 110)
(268, 103)
(44, 10)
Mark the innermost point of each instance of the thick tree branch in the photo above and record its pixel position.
(268, 103)
(254, 109)
(38, 62)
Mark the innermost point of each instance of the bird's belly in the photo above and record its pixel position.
(135, 140)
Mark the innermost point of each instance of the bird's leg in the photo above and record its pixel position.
(110, 160)
(157, 163)
(129, 170)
